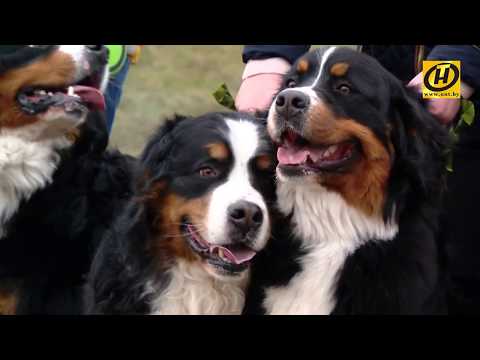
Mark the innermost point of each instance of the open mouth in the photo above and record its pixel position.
(230, 259)
(81, 96)
(296, 156)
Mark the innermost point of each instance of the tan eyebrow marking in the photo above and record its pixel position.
(218, 151)
(339, 69)
(302, 66)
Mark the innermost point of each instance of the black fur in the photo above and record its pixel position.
(406, 274)
(124, 263)
(51, 239)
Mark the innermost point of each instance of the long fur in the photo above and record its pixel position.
(133, 272)
(61, 202)
(326, 257)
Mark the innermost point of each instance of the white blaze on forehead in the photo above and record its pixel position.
(244, 142)
(308, 90)
(323, 61)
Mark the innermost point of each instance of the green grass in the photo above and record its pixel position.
(173, 79)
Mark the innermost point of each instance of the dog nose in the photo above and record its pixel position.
(245, 216)
(291, 102)
(98, 53)
(95, 47)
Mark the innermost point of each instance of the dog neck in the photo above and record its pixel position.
(193, 291)
(322, 217)
(329, 230)
(26, 166)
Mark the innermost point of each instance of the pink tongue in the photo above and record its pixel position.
(91, 96)
(291, 155)
(238, 256)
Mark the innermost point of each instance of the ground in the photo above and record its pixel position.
(172, 79)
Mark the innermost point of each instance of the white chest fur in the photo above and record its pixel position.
(25, 167)
(330, 230)
(192, 291)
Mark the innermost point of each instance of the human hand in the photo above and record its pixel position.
(261, 81)
(445, 110)
(257, 92)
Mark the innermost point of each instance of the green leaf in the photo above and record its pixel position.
(467, 117)
(224, 98)
(450, 162)
(468, 112)
(454, 135)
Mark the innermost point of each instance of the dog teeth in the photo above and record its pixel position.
(220, 253)
(71, 92)
(331, 150)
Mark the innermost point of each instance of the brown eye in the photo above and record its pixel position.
(207, 172)
(344, 89)
(291, 83)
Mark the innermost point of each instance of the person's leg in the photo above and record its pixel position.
(463, 233)
(113, 94)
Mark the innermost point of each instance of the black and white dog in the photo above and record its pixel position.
(185, 242)
(360, 179)
(59, 189)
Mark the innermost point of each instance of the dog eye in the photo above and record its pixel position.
(291, 83)
(344, 89)
(207, 172)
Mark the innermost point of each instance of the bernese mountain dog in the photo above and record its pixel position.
(360, 179)
(199, 216)
(59, 189)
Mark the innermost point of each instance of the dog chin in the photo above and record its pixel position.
(214, 272)
(299, 179)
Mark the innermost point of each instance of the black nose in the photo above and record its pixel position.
(245, 216)
(291, 102)
(95, 47)
(97, 55)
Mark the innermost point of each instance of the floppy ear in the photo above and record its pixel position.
(95, 134)
(420, 144)
(159, 144)
(155, 156)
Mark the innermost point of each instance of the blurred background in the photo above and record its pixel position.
(172, 79)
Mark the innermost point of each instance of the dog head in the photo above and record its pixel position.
(48, 90)
(210, 183)
(345, 123)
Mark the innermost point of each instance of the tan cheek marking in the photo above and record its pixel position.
(218, 151)
(339, 69)
(264, 162)
(54, 70)
(8, 302)
(364, 186)
(169, 242)
(302, 66)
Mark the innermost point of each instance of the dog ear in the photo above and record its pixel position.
(154, 158)
(94, 139)
(420, 143)
(158, 144)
